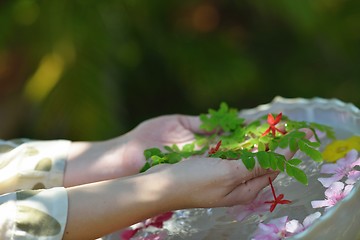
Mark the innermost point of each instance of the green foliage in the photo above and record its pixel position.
(171, 155)
(246, 142)
(225, 119)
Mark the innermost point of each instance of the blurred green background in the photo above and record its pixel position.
(91, 70)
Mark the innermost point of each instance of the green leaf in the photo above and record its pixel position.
(289, 170)
(293, 145)
(273, 144)
(281, 161)
(173, 158)
(226, 155)
(294, 161)
(265, 139)
(157, 160)
(148, 153)
(188, 147)
(263, 159)
(252, 127)
(175, 148)
(311, 152)
(261, 146)
(168, 148)
(273, 161)
(248, 159)
(291, 139)
(145, 167)
(299, 175)
(201, 140)
(311, 144)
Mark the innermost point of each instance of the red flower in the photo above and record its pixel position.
(129, 233)
(157, 221)
(215, 149)
(272, 122)
(277, 199)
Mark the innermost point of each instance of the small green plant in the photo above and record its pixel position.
(231, 137)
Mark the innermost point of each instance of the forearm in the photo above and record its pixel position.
(100, 208)
(98, 161)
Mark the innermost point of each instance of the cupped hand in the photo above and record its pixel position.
(158, 132)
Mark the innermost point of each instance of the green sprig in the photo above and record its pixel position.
(246, 142)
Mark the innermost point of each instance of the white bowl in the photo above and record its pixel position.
(343, 220)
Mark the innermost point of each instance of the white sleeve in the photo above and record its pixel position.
(28, 165)
(33, 214)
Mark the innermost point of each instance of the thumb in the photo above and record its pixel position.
(191, 123)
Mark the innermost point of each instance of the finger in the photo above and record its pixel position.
(247, 192)
(240, 170)
(192, 123)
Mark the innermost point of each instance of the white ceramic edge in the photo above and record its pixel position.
(334, 214)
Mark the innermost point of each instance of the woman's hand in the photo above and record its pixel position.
(211, 182)
(158, 132)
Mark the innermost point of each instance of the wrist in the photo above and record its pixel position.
(119, 202)
(97, 161)
(163, 188)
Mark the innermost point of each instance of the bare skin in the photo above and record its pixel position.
(123, 156)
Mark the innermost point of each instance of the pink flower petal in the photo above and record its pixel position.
(335, 193)
(267, 228)
(353, 177)
(351, 156)
(329, 168)
(320, 203)
(356, 163)
(347, 190)
(274, 229)
(326, 182)
(334, 190)
(310, 219)
(243, 215)
(294, 226)
(257, 206)
(279, 222)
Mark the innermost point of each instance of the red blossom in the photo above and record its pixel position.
(272, 122)
(129, 233)
(215, 149)
(157, 221)
(277, 199)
